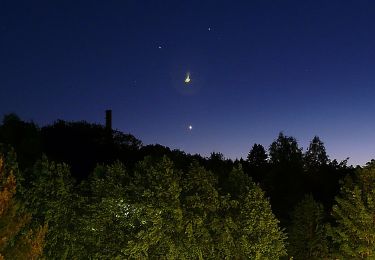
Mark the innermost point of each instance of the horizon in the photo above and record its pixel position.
(208, 153)
(254, 69)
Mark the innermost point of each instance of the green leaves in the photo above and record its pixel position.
(158, 211)
(50, 198)
(354, 234)
(261, 236)
(153, 211)
(16, 242)
(155, 193)
(209, 225)
(307, 233)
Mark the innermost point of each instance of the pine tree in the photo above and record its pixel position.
(354, 211)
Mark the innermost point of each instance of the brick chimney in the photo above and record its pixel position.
(108, 119)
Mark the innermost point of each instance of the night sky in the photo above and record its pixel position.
(257, 68)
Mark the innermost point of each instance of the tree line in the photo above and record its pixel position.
(75, 190)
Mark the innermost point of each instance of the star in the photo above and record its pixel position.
(159, 47)
(190, 127)
(209, 28)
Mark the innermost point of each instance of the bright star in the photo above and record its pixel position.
(190, 127)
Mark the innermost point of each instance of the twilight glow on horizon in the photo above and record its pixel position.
(231, 73)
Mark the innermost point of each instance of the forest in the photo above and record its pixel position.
(77, 190)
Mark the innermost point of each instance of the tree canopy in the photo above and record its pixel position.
(105, 195)
(353, 233)
(17, 240)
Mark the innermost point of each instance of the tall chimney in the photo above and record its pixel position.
(108, 119)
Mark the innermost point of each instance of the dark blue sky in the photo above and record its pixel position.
(303, 67)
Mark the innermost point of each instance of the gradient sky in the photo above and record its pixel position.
(258, 67)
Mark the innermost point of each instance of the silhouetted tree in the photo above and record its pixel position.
(257, 165)
(315, 156)
(154, 150)
(24, 137)
(220, 166)
(324, 184)
(322, 176)
(257, 156)
(285, 151)
(285, 182)
(83, 146)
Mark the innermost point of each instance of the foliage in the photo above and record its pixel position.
(126, 141)
(51, 199)
(16, 242)
(239, 183)
(157, 216)
(83, 145)
(181, 206)
(315, 156)
(105, 225)
(285, 181)
(257, 156)
(159, 211)
(257, 227)
(284, 150)
(190, 219)
(264, 239)
(257, 166)
(307, 234)
(354, 232)
(23, 137)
